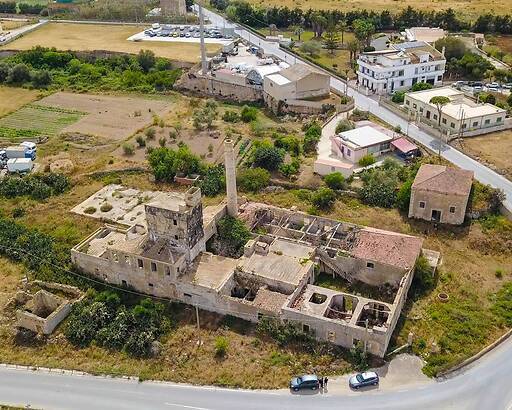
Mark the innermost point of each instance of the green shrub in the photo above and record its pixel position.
(213, 182)
(358, 115)
(502, 305)
(18, 212)
(344, 125)
(90, 210)
(335, 180)
(231, 116)
(248, 114)
(421, 87)
(403, 197)
(231, 237)
(366, 160)
(106, 207)
(323, 198)
(398, 97)
(312, 136)
(253, 179)
(162, 141)
(221, 346)
(499, 273)
(423, 277)
(150, 133)
(128, 149)
(166, 163)
(379, 187)
(268, 157)
(291, 168)
(140, 141)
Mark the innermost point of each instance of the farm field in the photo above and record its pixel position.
(468, 8)
(13, 98)
(35, 120)
(91, 37)
(12, 25)
(493, 149)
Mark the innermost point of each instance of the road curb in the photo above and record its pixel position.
(447, 373)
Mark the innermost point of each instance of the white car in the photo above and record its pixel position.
(29, 145)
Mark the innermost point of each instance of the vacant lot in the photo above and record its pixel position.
(469, 8)
(90, 37)
(493, 149)
(504, 43)
(13, 98)
(12, 25)
(110, 117)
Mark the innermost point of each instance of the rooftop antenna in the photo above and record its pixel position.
(204, 65)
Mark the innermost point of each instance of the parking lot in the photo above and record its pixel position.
(180, 33)
(475, 87)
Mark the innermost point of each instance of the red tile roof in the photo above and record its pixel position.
(444, 180)
(386, 247)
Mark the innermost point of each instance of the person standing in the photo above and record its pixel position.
(321, 381)
(325, 382)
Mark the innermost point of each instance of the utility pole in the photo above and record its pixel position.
(199, 341)
(204, 65)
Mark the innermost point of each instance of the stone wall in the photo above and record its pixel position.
(440, 202)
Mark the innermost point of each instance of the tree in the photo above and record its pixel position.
(268, 157)
(4, 72)
(311, 48)
(403, 197)
(366, 160)
(19, 74)
(323, 198)
(353, 47)
(343, 27)
(298, 31)
(453, 47)
(41, 78)
(248, 114)
(335, 180)
(331, 39)
(398, 97)
(213, 181)
(204, 117)
(363, 30)
(318, 23)
(344, 125)
(421, 86)
(232, 235)
(312, 136)
(439, 101)
(253, 179)
(146, 60)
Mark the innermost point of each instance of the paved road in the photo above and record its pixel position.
(485, 385)
(482, 173)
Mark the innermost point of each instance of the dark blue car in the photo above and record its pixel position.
(308, 381)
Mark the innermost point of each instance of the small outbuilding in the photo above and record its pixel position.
(440, 194)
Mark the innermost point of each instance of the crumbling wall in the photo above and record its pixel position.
(220, 89)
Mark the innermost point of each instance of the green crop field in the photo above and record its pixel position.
(36, 121)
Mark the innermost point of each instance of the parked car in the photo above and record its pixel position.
(507, 86)
(364, 379)
(307, 381)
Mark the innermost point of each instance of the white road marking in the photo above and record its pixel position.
(183, 406)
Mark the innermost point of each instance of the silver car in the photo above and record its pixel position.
(364, 379)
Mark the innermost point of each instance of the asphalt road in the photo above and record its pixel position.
(485, 385)
(482, 173)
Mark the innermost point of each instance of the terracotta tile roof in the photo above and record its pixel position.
(386, 247)
(444, 180)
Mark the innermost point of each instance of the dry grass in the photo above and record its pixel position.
(493, 149)
(12, 25)
(91, 37)
(13, 98)
(504, 43)
(467, 8)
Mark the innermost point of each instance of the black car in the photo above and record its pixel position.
(308, 381)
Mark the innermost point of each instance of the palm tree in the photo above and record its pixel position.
(439, 101)
(342, 26)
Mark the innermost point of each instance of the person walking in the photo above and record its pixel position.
(321, 381)
(325, 382)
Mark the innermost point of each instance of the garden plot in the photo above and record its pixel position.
(111, 117)
(33, 121)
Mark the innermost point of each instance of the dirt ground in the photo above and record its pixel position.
(114, 118)
(504, 43)
(91, 37)
(13, 98)
(493, 149)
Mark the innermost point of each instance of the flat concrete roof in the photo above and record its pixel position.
(210, 271)
(169, 200)
(460, 105)
(279, 79)
(285, 262)
(365, 136)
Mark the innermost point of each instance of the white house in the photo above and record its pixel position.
(461, 115)
(400, 67)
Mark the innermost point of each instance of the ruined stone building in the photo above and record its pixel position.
(173, 7)
(158, 248)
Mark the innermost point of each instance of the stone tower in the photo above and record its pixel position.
(230, 165)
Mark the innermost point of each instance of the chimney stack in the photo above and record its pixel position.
(204, 64)
(229, 164)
